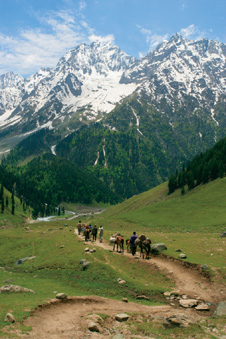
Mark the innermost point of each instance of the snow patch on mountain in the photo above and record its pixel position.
(87, 78)
(180, 68)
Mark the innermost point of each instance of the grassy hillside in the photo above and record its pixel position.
(200, 209)
(56, 268)
(7, 220)
(192, 222)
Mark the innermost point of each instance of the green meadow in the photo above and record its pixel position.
(192, 222)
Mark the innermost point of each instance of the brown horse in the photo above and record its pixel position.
(119, 243)
(145, 246)
(128, 245)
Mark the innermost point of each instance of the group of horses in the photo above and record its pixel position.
(142, 242)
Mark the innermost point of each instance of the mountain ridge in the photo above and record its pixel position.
(89, 80)
(172, 107)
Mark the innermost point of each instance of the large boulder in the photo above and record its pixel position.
(221, 309)
(188, 302)
(157, 248)
(61, 296)
(10, 318)
(122, 317)
(223, 234)
(202, 307)
(85, 265)
(20, 261)
(177, 321)
(93, 327)
(14, 289)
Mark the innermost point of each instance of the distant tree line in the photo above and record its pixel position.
(203, 168)
(47, 181)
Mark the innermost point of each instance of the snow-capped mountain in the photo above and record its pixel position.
(178, 68)
(85, 80)
(180, 79)
(11, 92)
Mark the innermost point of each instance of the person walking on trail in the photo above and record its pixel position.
(87, 232)
(79, 227)
(94, 232)
(132, 243)
(101, 233)
(83, 229)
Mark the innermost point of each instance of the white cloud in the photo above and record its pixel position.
(82, 5)
(106, 39)
(35, 48)
(187, 32)
(157, 39)
(192, 32)
(152, 39)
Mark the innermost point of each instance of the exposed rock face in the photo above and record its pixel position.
(83, 78)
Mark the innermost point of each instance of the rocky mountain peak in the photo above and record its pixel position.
(98, 56)
(10, 79)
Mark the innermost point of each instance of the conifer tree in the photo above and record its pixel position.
(1, 192)
(182, 190)
(172, 184)
(13, 203)
(3, 205)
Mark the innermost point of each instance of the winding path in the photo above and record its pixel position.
(58, 320)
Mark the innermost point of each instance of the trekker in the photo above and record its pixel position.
(101, 234)
(79, 227)
(87, 231)
(94, 233)
(148, 247)
(83, 229)
(132, 243)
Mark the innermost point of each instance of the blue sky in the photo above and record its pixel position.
(35, 34)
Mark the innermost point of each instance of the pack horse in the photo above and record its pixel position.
(118, 242)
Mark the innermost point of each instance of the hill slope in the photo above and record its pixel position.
(200, 209)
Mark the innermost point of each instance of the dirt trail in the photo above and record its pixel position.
(70, 319)
(188, 279)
